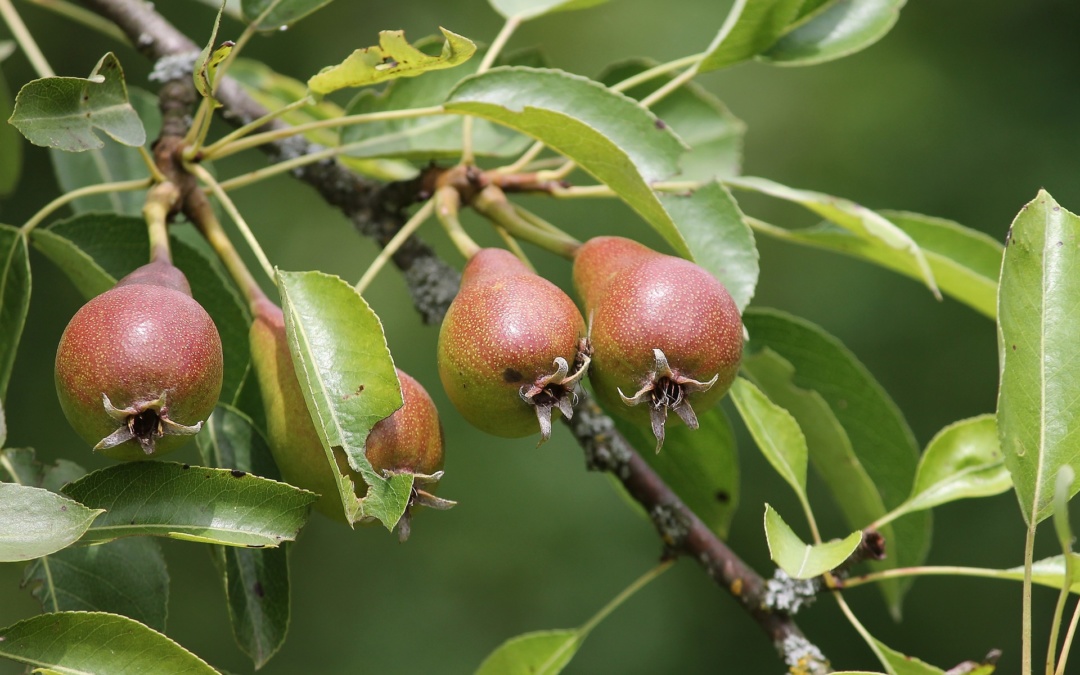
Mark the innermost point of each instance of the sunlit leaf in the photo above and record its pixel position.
(800, 560)
(63, 112)
(394, 57)
(35, 522)
(858, 440)
(608, 135)
(701, 466)
(283, 13)
(73, 642)
(126, 576)
(839, 29)
(14, 298)
(530, 9)
(854, 218)
(776, 433)
(1038, 409)
(541, 653)
(751, 27)
(216, 506)
(349, 382)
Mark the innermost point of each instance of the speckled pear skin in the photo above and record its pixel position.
(144, 338)
(639, 300)
(504, 330)
(411, 439)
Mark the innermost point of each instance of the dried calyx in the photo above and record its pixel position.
(667, 390)
(557, 390)
(143, 423)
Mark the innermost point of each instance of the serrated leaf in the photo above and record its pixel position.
(701, 466)
(111, 163)
(72, 642)
(205, 70)
(424, 139)
(524, 10)
(284, 12)
(962, 461)
(858, 440)
(1038, 408)
(126, 576)
(349, 382)
(11, 143)
(965, 262)
(273, 91)
(215, 506)
(256, 580)
(63, 112)
(96, 249)
(776, 433)
(35, 522)
(14, 298)
(839, 29)
(541, 653)
(609, 135)
(751, 27)
(394, 57)
(800, 560)
(854, 218)
(701, 120)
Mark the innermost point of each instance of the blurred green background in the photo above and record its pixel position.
(963, 111)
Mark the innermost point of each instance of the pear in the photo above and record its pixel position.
(666, 335)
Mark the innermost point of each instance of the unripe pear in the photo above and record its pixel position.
(409, 440)
(138, 368)
(511, 348)
(665, 333)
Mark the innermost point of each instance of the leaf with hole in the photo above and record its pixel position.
(64, 112)
(801, 560)
(1038, 408)
(215, 506)
(394, 57)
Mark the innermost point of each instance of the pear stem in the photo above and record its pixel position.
(160, 201)
(447, 206)
(515, 248)
(492, 203)
(199, 209)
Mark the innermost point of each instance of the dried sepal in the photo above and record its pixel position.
(144, 423)
(665, 389)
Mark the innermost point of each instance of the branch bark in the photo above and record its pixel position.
(377, 211)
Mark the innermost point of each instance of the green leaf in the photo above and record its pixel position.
(900, 664)
(776, 433)
(214, 506)
(1046, 572)
(839, 29)
(18, 465)
(109, 164)
(701, 466)
(14, 298)
(127, 577)
(751, 27)
(273, 91)
(962, 461)
(607, 134)
(1038, 408)
(205, 71)
(349, 382)
(858, 440)
(805, 561)
(524, 10)
(95, 250)
(1062, 483)
(35, 522)
(256, 580)
(965, 262)
(74, 642)
(424, 139)
(541, 653)
(393, 58)
(701, 120)
(284, 12)
(858, 220)
(63, 112)
(11, 143)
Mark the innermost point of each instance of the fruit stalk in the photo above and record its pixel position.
(491, 202)
(160, 201)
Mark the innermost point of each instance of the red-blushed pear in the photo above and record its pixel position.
(138, 368)
(665, 334)
(512, 347)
